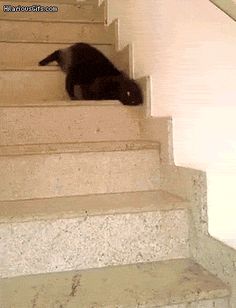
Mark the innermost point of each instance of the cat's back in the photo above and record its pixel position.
(82, 52)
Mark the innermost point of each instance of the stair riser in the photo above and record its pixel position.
(55, 32)
(68, 124)
(39, 176)
(29, 54)
(67, 244)
(65, 12)
(32, 86)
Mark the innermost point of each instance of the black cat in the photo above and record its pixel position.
(97, 77)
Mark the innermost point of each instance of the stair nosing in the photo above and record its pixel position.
(71, 210)
(81, 3)
(69, 103)
(49, 42)
(76, 147)
(49, 68)
(53, 3)
(69, 21)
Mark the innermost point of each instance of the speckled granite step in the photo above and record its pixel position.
(82, 11)
(50, 170)
(66, 121)
(169, 284)
(58, 234)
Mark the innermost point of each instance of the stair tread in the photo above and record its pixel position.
(29, 3)
(89, 205)
(66, 103)
(48, 1)
(80, 147)
(139, 285)
(18, 54)
(50, 21)
(55, 31)
(69, 42)
(51, 43)
(51, 67)
(56, 2)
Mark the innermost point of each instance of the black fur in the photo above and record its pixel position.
(117, 87)
(97, 77)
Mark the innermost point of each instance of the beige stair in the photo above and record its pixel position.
(32, 84)
(54, 32)
(85, 198)
(64, 169)
(58, 234)
(20, 55)
(46, 83)
(63, 121)
(80, 11)
(169, 284)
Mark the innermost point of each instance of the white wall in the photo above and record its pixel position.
(189, 48)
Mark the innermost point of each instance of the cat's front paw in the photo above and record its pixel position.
(73, 98)
(42, 63)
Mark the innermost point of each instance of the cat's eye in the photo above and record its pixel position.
(128, 93)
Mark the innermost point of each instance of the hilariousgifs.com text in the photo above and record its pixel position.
(29, 8)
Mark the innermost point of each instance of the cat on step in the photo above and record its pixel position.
(98, 79)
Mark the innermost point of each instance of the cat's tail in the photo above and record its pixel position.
(52, 57)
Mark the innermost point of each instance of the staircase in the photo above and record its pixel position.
(93, 212)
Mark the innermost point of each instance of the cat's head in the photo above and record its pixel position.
(130, 92)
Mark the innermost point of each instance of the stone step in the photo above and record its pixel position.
(32, 84)
(167, 284)
(22, 55)
(91, 231)
(43, 84)
(82, 11)
(50, 170)
(56, 32)
(77, 121)
(16, 54)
